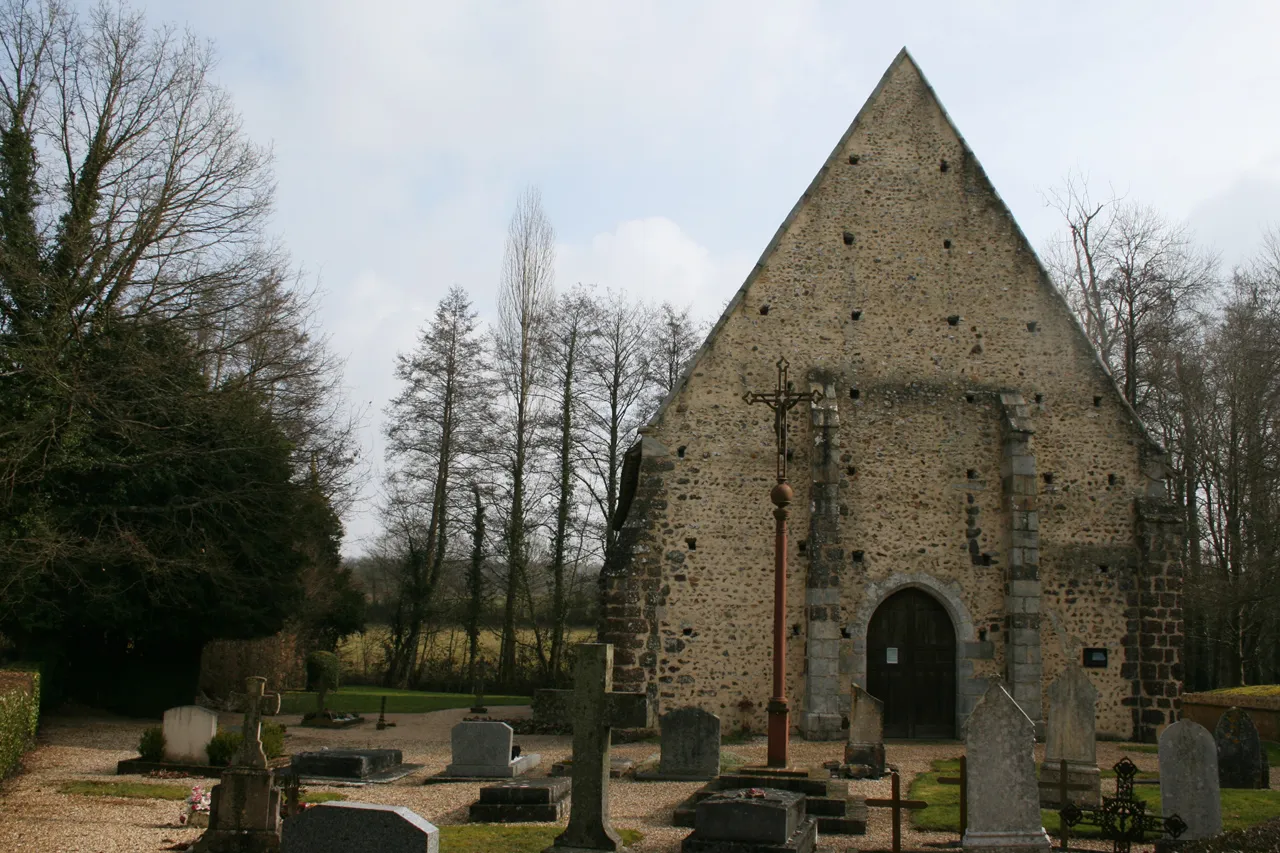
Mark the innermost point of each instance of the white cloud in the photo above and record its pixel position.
(655, 260)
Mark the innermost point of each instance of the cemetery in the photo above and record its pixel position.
(924, 527)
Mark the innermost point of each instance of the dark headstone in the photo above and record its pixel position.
(354, 764)
(1241, 761)
(518, 801)
(342, 827)
(752, 820)
(690, 744)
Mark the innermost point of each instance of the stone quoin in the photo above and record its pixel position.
(974, 500)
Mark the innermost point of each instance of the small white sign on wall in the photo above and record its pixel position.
(890, 655)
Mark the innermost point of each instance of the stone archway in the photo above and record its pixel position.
(948, 594)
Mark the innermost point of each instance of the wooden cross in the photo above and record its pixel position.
(963, 781)
(256, 703)
(595, 710)
(1062, 787)
(896, 803)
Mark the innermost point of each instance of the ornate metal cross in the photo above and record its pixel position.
(782, 400)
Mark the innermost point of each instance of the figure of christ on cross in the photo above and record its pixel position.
(782, 400)
(595, 710)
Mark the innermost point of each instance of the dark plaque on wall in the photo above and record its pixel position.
(1095, 658)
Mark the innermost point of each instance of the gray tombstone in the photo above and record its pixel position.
(482, 749)
(690, 744)
(1003, 794)
(341, 827)
(865, 747)
(187, 732)
(1189, 779)
(1242, 763)
(1071, 735)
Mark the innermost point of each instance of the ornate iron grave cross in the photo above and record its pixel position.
(1121, 819)
(782, 400)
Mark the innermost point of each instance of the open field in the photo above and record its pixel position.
(361, 699)
(362, 655)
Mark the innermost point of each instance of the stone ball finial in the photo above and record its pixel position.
(781, 494)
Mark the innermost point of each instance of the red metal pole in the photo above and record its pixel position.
(779, 723)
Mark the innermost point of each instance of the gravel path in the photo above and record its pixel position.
(35, 818)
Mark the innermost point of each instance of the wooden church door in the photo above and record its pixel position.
(911, 665)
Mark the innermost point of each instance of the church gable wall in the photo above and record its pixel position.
(900, 275)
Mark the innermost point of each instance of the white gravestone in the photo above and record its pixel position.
(482, 749)
(1004, 795)
(1189, 779)
(187, 731)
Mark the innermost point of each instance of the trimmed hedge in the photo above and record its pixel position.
(19, 716)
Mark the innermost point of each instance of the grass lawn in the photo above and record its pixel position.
(1240, 809)
(1250, 690)
(506, 838)
(361, 699)
(161, 791)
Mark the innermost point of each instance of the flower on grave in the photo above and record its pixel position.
(199, 801)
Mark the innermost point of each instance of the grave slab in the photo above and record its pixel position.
(521, 800)
(352, 765)
(752, 820)
(343, 827)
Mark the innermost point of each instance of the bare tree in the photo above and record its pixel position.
(524, 305)
(616, 388)
(435, 424)
(570, 335)
(673, 339)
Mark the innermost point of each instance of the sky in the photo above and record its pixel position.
(670, 139)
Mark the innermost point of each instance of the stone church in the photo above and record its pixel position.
(974, 499)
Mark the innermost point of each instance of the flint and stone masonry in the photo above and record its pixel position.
(969, 444)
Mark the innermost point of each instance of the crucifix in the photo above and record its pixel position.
(782, 400)
(595, 710)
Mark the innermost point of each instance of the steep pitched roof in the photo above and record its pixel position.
(903, 59)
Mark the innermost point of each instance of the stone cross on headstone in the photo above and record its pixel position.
(256, 703)
(596, 709)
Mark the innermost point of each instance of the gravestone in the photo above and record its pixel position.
(1241, 760)
(521, 800)
(864, 751)
(1071, 735)
(1189, 779)
(1004, 800)
(482, 749)
(596, 709)
(690, 745)
(342, 827)
(187, 731)
(752, 820)
(244, 808)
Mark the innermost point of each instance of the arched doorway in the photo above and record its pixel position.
(911, 665)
